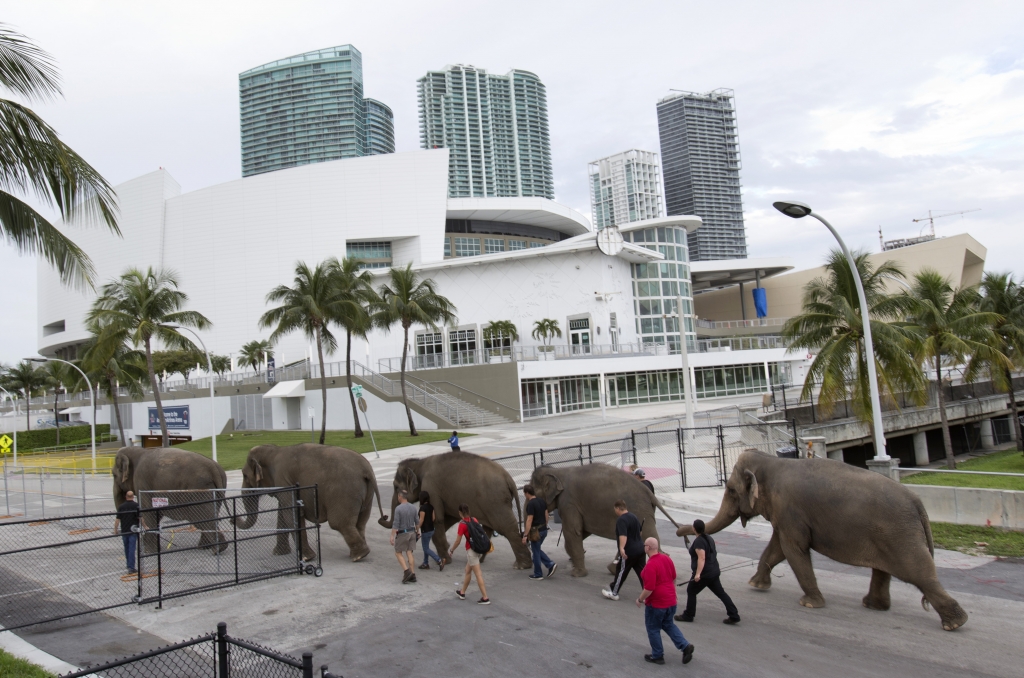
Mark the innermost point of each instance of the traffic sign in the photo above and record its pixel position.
(6, 442)
(357, 391)
(362, 405)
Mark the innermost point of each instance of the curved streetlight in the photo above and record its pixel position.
(798, 210)
(209, 373)
(92, 401)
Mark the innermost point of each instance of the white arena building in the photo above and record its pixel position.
(516, 259)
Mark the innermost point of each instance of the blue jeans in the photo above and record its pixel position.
(660, 619)
(130, 539)
(539, 557)
(425, 537)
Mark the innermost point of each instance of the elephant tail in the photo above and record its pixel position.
(671, 519)
(376, 491)
(515, 496)
(926, 524)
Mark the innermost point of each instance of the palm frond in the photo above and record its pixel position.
(25, 68)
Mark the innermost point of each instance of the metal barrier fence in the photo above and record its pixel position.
(68, 566)
(42, 492)
(214, 655)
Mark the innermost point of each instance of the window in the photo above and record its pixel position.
(516, 245)
(447, 248)
(467, 247)
(430, 349)
(493, 245)
(462, 344)
(371, 254)
(536, 244)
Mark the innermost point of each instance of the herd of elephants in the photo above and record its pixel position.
(848, 514)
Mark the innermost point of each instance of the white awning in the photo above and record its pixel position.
(287, 389)
(71, 410)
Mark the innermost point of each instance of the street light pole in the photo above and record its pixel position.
(213, 403)
(797, 210)
(92, 399)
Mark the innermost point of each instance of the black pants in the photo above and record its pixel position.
(635, 563)
(715, 585)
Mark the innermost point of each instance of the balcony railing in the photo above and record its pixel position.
(740, 324)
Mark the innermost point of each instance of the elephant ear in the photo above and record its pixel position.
(411, 480)
(752, 491)
(257, 471)
(556, 483)
(121, 468)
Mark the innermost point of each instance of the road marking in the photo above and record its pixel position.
(509, 644)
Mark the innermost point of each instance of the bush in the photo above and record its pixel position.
(47, 437)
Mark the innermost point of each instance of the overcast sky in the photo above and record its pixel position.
(872, 112)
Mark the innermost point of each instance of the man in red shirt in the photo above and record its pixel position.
(659, 595)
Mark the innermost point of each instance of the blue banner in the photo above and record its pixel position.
(761, 302)
(177, 418)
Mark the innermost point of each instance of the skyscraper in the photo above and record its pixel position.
(625, 187)
(309, 108)
(495, 127)
(700, 155)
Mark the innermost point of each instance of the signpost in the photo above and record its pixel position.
(5, 444)
(357, 391)
(159, 502)
(312, 413)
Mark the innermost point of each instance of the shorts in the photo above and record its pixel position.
(472, 557)
(405, 542)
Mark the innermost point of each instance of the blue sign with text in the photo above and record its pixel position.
(177, 418)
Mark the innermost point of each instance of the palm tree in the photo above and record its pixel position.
(545, 329)
(948, 326)
(109, 356)
(310, 306)
(1002, 295)
(35, 159)
(26, 378)
(220, 364)
(255, 352)
(147, 306)
(831, 324)
(409, 300)
(353, 294)
(56, 375)
(498, 331)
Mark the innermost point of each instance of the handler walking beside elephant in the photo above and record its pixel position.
(403, 536)
(127, 519)
(706, 574)
(536, 530)
(659, 597)
(632, 555)
(426, 527)
(472, 557)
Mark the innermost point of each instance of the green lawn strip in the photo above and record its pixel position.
(1007, 461)
(966, 538)
(233, 449)
(12, 666)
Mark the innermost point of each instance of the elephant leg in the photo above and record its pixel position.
(349, 530)
(952, 615)
(302, 539)
(878, 592)
(440, 521)
(770, 557)
(364, 515)
(799, 556)
(572, 533)
(284, 526)
(510, 530)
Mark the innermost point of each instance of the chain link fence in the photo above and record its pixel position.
(42, 492)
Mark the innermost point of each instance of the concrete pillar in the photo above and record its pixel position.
(887, 467)
(988, 439)
(836, 454)
(743, 307)
(921, 448)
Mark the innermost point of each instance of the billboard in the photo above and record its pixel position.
(177, 418)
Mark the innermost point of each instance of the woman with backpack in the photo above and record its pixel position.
(477, 544)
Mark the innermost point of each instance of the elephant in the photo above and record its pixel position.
(143, 470)
(345, 484)
(454, 478)
(585, 498)
(849, 514)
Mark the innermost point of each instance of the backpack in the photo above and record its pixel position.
(478, 539)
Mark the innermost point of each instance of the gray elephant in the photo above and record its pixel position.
(585, 497)
(455, 478)
(144, 470)
(851, 515)
(345, 484)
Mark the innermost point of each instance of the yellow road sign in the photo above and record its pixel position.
(5, 444)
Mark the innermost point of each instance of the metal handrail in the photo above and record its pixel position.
(435, 390)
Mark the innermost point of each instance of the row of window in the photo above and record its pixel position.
(470, 247)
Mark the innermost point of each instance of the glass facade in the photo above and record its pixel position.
(375, 254)
(656, 287)
(467, 247)
(309, 108)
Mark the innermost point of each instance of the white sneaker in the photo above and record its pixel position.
(608, 594)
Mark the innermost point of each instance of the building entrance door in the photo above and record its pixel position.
(552, 397)
(579, 336)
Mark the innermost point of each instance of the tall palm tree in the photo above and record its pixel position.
(948, 326)
(109, 356)
(57, 376)
(831, 324)
(353, 294)
(408, 300)
(34, 159)
(25, 377)
(255, 352)
(546, 329)
(1002, 295)
(310, 306)
(146, 306)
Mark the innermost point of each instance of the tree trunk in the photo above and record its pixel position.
(28, 409)
(323, 386)
(405, 399)
(348, 374)
(117, 410)
(56, 417)
(156, 394)
(1015, 413)
(946, 440)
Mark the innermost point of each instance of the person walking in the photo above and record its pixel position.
(536, 531)
(706, 574)
(426, 529)
(403, 536)
(472, 558)
(631, 549)
(641, 475)
(127, 520)
(659, 602)
(454, 442)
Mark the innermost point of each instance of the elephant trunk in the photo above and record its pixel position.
(251, 503)
(388, 521)
(726, 516)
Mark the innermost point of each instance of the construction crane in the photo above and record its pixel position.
(931, 218)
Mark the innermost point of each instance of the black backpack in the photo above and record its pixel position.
(478, 539)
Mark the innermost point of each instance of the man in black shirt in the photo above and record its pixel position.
(631, 549)
(642, 477)
(706, 574)
(127, 519)
(536, 531)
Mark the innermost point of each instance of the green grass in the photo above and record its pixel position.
(12, 666)
(1007, 461)
(232, 449)
(989, 541)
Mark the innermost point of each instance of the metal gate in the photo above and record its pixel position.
(701, 461)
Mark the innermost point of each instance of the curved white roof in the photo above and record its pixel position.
(529, 211)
